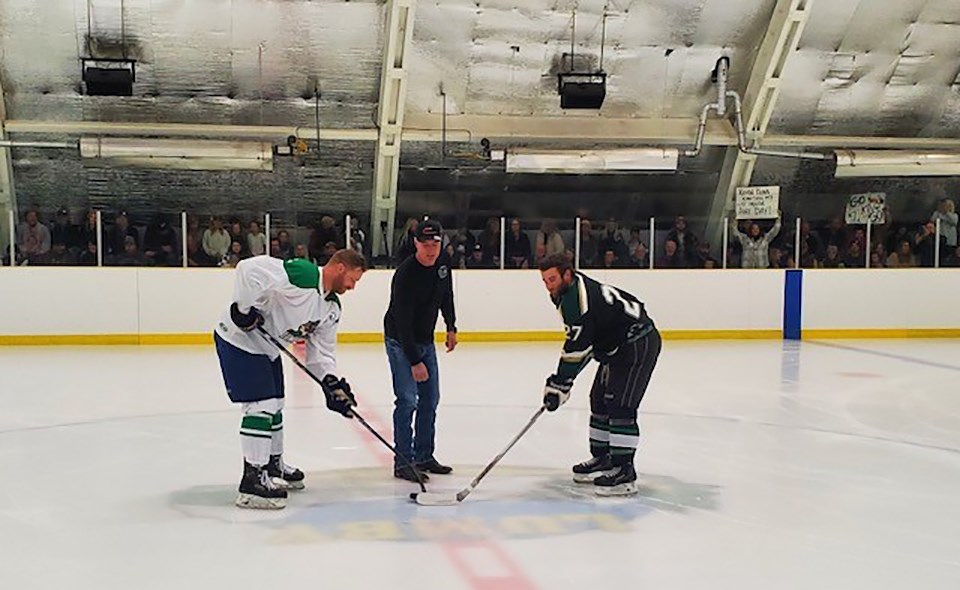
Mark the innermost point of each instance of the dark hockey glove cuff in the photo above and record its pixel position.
(556, 392)
(246, 321)
(339, 397)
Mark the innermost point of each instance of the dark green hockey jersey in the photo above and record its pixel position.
(598, 320)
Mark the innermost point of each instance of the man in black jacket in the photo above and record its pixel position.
(422, 286)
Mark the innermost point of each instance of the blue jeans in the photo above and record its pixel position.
(414, 437)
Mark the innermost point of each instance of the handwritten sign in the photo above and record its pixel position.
(866, 208)
(758, 202)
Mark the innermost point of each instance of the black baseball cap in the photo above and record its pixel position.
(63, 211)
(430, 230)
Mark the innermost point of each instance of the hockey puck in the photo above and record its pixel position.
(413, 496)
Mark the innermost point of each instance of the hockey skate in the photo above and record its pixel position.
(284, 476)
(621, 481)
(258, 491)
(588, 471)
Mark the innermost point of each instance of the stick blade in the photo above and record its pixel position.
(435, 499)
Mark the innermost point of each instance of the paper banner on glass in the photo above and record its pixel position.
(758, 202)
(866, 208)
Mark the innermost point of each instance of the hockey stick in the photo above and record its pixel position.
(353, 411)
(441, 499)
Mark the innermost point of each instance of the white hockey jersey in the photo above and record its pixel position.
(288, 295)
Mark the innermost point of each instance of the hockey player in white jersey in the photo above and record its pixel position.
(292, 300)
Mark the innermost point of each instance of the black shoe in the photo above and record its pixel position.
(257, 490)
(432, 466)
(291, 477)
(622, 481)
(589, 470)
(410, 474)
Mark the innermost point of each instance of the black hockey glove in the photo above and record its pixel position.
(246, 321)
(339, 397)
(556, 392)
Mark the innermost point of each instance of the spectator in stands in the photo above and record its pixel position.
(609, 259)
(322, 235)
(160, 242)
(639, 256)
(953, 259)
(612, 239)
(195, 254)
(477, 258)
(671, 257)
(854, 257)
(87, 232)
(490, 242)
(926, 244)
(235, 230)
(835, 233)
(58, 255)
(300, 251)
(235, 254)
(256, 240)
(88, 256)
(405, 243)
(807, 257)
(216, 241)
(33, 237)
(813, 242)
(284, 248)
(358, 237)
(588, 244)
(756, 244)
(634, 240)
(876, 261)
(64, 232)
(832, 258)
(903, 257)
(947, 214)
(685, 240)
(777, 258)
(463, 243)
(703, 256)
(549, 240)
(130, 255)
(329, 249)
(119, 233)
(517, 246)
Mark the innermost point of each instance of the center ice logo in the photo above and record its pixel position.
(528, 504)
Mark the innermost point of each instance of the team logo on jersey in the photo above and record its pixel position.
(443, 272)
(303, 331)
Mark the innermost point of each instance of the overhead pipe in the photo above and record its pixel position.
(63, 145)
(720, 77)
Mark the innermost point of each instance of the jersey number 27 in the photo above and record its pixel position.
(631, 308)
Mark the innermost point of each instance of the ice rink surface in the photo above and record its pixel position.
(763, 465)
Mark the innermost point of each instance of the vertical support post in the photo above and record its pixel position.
(183, 239)
(11, 220)
(869, 245)
(347, 233)
(99, 238)
(936, 246)
(796, 246)
(653, 240)
(266, 232)
(726, 240)
(576, 245)
(391, 107)
(503, 243)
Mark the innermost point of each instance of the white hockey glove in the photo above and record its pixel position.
(556, 392)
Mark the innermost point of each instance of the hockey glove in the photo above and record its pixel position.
(339, 397)
(246, 321)
(556, 392)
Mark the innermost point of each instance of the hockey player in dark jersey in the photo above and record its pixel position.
(611, 326)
